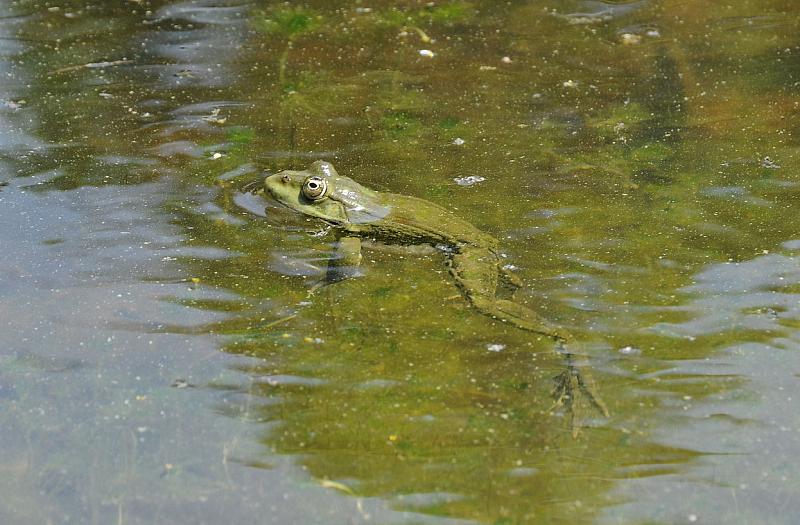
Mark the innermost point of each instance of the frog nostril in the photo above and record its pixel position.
(286, 178)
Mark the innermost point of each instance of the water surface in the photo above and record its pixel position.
(162, 361)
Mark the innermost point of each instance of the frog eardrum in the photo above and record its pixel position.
(315, 188)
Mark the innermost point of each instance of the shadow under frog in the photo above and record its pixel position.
(353, 212)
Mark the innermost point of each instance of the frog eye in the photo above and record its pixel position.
(315, 188)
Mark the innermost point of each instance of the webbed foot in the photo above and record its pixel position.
(570, 386)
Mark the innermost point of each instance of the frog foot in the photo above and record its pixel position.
(570, 384)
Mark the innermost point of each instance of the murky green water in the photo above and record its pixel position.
(162, 362)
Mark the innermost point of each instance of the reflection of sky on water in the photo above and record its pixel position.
(750, 431)
(213, 31)
(748, 295)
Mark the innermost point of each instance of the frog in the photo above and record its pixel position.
(473, 257)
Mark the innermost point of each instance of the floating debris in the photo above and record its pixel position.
(633, 35)
(569, 84)
(768, 163)
(91, 65)
(630, 39)
(495, 347)
(427, 53)
(597, 12)
(629, 350)
(469, 180)
(505, 60)
(422, 34)
(341, 487)
(458, 141)
(214, 117)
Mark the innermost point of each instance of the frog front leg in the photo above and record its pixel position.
(345, 261)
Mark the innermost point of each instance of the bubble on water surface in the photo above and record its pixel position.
(471, 180)
(629, 350)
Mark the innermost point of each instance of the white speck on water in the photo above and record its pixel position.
(427, 53)
(458, 141)
(216, 156)
(510, 267)
(692, 518)
(630, 39)
(767, 162)
(505, 60)
(629, 350)
(469, 181)
(570, 84)
(495, 347)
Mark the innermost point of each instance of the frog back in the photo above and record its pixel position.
(411, 219)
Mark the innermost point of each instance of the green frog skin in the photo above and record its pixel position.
(473, 259)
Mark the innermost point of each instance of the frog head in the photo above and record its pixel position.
(321, 192)
(308, 191)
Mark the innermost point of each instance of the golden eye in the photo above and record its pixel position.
(315, 188)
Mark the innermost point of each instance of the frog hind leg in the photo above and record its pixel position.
(476, 273)
(574, 380)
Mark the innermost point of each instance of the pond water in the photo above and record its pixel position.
(162, 359)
